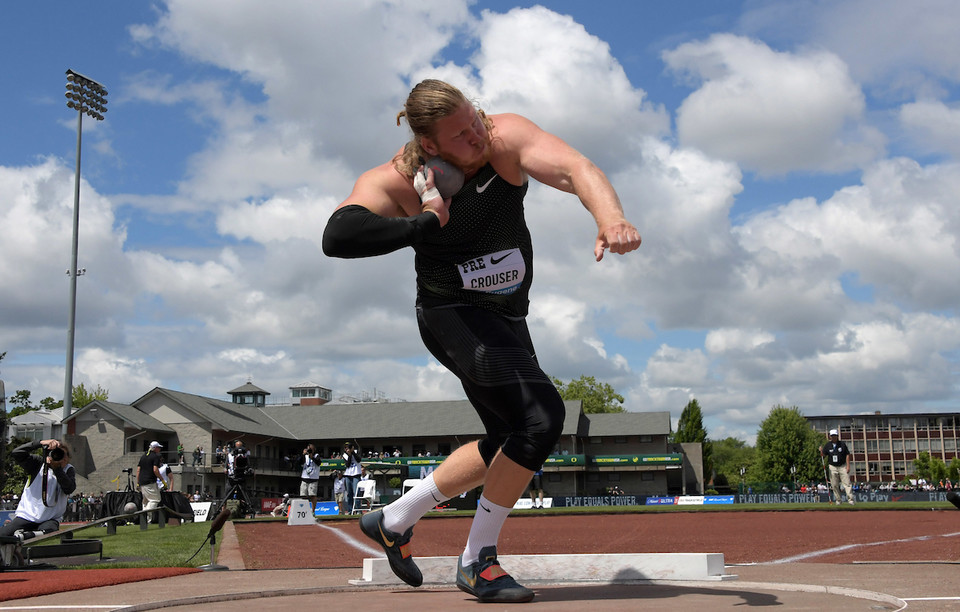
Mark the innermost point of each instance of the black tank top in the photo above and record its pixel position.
(483, 256)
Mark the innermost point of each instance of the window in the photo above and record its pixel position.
(647, 476)
(884, 446)
(857, 446)
(613, 477)
(620, 440)
(646, 439)
(924, 444)
(950, 444)
(898, 446)
(910, 446)
(936, 445)
(872, 446)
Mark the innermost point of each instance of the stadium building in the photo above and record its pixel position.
(629, 451)
(884, 446)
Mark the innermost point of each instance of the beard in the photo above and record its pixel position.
(472, 164)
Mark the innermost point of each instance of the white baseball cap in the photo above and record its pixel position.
(834, 432)
(155, 444)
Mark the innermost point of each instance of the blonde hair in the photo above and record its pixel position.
(428, 102)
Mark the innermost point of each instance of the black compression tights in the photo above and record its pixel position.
(495, 361)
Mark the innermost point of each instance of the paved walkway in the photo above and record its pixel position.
(925, 587)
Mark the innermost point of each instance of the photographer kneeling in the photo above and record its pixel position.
(51, 481)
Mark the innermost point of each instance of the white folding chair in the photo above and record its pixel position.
(365, 497)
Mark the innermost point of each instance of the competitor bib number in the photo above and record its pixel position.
(501, 272)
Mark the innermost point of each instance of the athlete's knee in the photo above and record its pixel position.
(531, 445)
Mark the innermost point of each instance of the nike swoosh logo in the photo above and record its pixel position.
(386, 541)
(481, 505)
(482, 188)
(471, 581)
(495, 261)
(435, 498)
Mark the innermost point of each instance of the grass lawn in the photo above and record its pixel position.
(155, 547)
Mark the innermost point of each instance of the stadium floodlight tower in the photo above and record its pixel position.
(88, 98)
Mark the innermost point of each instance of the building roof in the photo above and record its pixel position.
(307, 385)
(392, 419)
(370, 420)
(627, 423)
(129, 414)
(248, 388)
(38, 417)
(227, 416)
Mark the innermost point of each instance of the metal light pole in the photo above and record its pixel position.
(89, 98)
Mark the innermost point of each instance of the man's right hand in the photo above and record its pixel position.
(430, 199)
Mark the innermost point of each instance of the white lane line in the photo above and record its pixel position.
(376, 552)
(88, 607)
(930, 598)
(828, 551)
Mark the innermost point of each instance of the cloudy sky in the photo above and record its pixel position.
(792, 167)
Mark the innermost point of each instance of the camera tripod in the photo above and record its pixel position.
(129, 473)
(236, 492)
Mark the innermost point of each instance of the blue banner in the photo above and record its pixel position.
(718, 499)
(326, 508)
(661, 501)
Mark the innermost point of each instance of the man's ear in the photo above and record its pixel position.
(428, 145)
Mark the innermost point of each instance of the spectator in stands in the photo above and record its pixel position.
(180, 454)
(196, 456)
(44, 499)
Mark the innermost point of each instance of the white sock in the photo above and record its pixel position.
(404, 513)
(485, 529)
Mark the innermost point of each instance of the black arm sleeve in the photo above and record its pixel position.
(353, 231)
(24, 456)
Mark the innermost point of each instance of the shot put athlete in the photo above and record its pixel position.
(474, 263)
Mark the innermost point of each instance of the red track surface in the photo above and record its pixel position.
(742, 537)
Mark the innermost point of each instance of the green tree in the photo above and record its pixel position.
(729, 455)
(12, 476)
(953, 470)
(931, 469)
(596, 397)
(82, 397)
(922, 466)
(22, 405)
(690, 429)
(786, 440)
